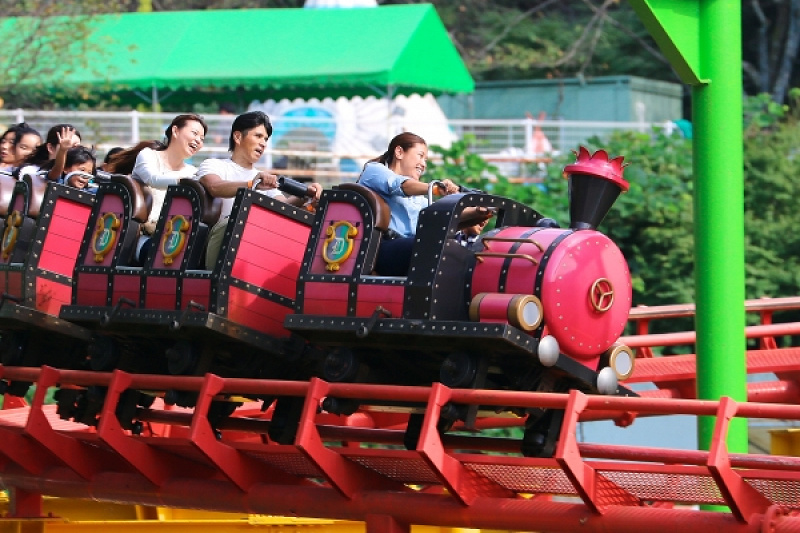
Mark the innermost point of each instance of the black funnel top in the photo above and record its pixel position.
(594, 185)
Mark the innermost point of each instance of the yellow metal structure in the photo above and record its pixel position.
(785, 442)
(83, 516)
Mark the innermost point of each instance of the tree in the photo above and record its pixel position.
(40, 43)
(503, 39)
(771, 49)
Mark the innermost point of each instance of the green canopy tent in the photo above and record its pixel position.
(194, 56)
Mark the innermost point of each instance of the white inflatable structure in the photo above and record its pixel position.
(354, 129)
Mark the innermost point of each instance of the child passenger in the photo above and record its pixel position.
(79, 169)
(51, 155)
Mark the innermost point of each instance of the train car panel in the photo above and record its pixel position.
(325, 299)
(344, 226)
(93, 289)
(127, 286)
(13, 280)
(51, 295)
(371, 297)
(106, 230)
(284, 247)
(170, 249)
(196, 291)
(63, 241)
(273, 275)
(260, 314)
(62, 221)
(110, 240)
(161, 293)
(274, 221)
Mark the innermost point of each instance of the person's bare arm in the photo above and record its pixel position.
(65, 142)
(413, 187)
(219, 188)
(300, 201)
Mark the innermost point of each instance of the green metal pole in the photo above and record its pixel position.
(719, 216)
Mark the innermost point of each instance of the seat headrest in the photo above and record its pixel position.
(383, 214)
(211, 207)
(37, 185)
(141, 198)
(7, 183)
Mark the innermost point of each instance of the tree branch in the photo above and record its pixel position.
(516, 20)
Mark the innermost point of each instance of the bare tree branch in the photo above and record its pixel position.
(624, 29)
(516, 20)
(762, 79)
(789, 53)
(600, 15)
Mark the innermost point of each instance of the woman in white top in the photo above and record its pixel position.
(160, 165)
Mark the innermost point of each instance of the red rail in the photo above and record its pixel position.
(455, 481)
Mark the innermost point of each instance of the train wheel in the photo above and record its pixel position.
(104, 353)
(342, 365)
(459, 370)
(12, 347)
(182, 358)
(541, 434)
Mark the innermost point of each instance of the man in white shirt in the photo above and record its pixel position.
(223, 177)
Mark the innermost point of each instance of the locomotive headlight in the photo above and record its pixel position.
(548, 350)
(525, 312)
(621, 359)
(607, 381)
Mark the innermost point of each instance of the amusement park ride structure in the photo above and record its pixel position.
(361, 466)
(355, 468)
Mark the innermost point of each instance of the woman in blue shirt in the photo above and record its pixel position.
(395, 176)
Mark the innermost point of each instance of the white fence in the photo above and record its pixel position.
(312, 147)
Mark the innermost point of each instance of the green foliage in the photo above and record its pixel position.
(460, 164)
(762, 112)
(772, 164)
(47, 41)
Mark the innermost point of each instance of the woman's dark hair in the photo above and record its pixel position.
(41, 157)
(404, 140)
(246, 122)
(80, 154)
(124, 161)
(181, 121)
(20, 130)
(112, 152)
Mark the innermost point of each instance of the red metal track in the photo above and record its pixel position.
(455, 481)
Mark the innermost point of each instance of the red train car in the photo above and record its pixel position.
(41, 239)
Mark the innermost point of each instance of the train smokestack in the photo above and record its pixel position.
(594, 185)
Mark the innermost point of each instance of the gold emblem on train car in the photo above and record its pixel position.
(601, 295)
(339, 244)
(174, 239)
(105, 236)
(13, 222)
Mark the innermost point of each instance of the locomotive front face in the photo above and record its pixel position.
(580, 277)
